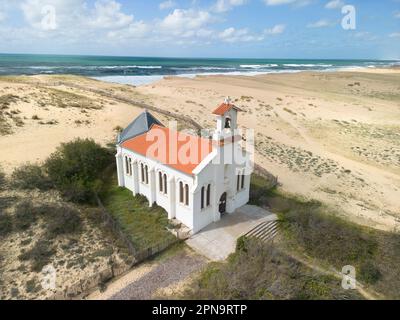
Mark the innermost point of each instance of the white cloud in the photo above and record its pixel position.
(397, 15)
(298, 3)
(334, 4)
(72, 15)
(238, 35)
(106, 22)
(226, 5)
(394, 35)
(107, 14)
(181, 20)
(365, 36)
(167, 4)
(136, 30)
(323, 23)
(277, 29)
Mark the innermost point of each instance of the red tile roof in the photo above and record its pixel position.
(166, 146)
(223, 108)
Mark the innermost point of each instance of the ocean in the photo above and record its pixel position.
(138, 71)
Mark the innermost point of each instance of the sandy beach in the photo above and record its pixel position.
(330, 136)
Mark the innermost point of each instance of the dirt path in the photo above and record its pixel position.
(312, 264)
(146, 281)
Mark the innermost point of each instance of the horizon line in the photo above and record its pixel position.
(187, 58)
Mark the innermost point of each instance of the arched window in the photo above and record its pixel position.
(203, 191)
(165, 184)
(130, 166)
(228, 124)
(186, 195)
(142, 172)
(209, 195)
(147, 174)
(160, 182)
(126, 165)
(181, 200)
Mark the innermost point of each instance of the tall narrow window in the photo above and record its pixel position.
(243, 176)
(186, 195)
(209, 195)
(165, 184)
(160, 181)
(126, 165)
(130, 166)
(181, 192)
(238, 182)
(203, 190)
(147, 174)
(142, 171)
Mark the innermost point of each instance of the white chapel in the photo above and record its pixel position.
(197, 180)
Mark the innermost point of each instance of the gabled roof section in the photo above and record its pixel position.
(225, 107)
(142, 124)
(179, 151)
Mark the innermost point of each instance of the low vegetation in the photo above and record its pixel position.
(30, 177)
(261, 271)
(3, 179)
(310, 228)
(307, 229)
(73, 170)
(6, 225)
(40, 255)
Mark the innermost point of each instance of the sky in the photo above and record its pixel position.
(366, 29)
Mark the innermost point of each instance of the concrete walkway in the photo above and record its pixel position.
(218, 240)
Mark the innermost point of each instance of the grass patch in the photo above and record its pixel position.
(145, 226)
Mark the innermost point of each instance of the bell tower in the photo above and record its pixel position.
(227, 114)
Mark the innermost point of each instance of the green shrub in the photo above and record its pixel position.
(78, 191)
(64, 220)
(3, 179)
(369, 273)
(25, 215)
(6, 225)
(75, 167)
(32, 286)
(242, 243)
(39, 256)
(29, 177)
(59, 219)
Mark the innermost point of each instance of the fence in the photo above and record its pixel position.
(273, 180)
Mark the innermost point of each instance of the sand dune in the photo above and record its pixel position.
(328, 136)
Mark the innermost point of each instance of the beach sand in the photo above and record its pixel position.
(329, 136)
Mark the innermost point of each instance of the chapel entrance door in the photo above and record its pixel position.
(222, 204)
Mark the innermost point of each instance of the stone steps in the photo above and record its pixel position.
(265, 231)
